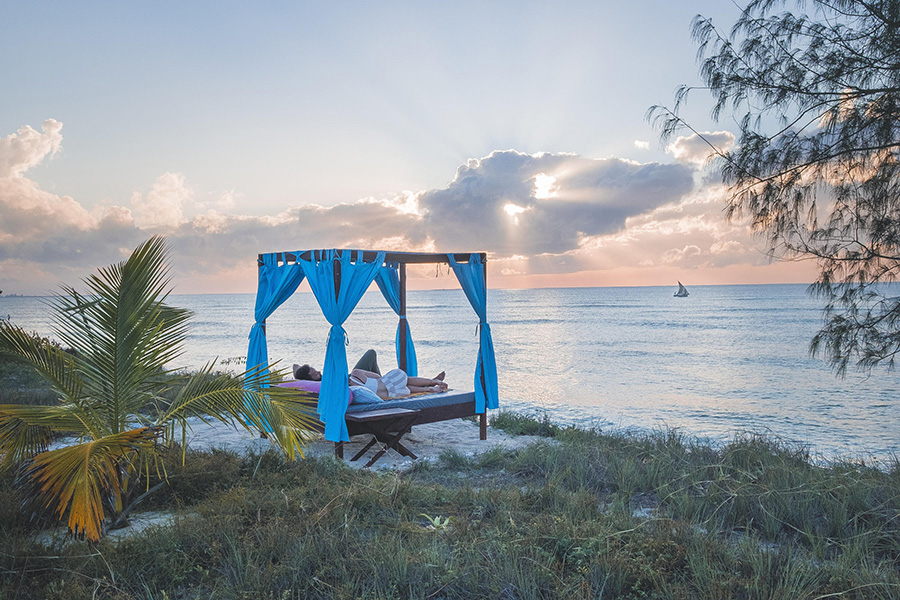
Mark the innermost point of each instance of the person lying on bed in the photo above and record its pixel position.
(368, 362)
(393, 384)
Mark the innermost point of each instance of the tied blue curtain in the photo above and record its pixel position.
(389, 283)
(355, 280)
(276, 284)
(471, 278)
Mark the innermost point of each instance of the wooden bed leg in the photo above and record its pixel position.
(339, 449)
(482, 426)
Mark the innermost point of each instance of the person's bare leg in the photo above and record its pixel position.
(426, 383)
(416, 389)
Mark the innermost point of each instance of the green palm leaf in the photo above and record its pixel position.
(287, 414)
(122, 331)
(77, 479)
(53, 364)
(293, 417)
(290, 415)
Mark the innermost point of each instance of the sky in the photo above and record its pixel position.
(514, 128)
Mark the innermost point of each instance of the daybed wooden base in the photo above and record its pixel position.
(387, 426)
(433, 414)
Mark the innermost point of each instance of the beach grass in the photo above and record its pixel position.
(580, 514)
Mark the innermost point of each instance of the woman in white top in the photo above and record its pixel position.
(395, 383)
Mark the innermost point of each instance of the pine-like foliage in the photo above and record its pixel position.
(815, 88)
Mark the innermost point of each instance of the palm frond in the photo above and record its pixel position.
(19, 441)
(207, 394)
(25, 430)
(122, 331)
(292, 416)
(52, 363)
(287, 414)
(77, 479)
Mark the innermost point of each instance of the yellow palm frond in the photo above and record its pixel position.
(25, 430)
(79, 478)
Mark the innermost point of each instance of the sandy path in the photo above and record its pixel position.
(425, 441)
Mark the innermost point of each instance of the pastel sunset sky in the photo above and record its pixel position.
(515, 128)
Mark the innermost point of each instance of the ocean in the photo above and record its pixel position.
(724, 361)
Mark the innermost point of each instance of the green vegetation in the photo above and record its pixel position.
(581, 514)
(522, 424)
(109, 392)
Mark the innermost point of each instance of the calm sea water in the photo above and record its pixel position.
(726, 359)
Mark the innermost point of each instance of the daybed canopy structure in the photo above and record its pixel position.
(338, 279)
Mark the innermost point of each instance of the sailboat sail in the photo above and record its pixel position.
(682, 291)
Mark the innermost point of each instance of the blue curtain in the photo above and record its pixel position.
(276, 284)
(355, 280)
(471, 278)
(389, 283)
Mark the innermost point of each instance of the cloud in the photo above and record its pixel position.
(32, 217)
(642, 144)
(695, 149)
(27, 148)
(162, 208)
(513, 203)
(689, 234)
(216, 240)
(535, 214)
(676, 255)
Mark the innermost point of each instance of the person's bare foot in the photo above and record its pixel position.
(439, 376)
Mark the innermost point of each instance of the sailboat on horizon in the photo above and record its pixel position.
(682, 291)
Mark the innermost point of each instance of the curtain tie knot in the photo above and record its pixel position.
(344, 331)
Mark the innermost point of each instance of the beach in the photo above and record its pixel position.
(427, 442)
(727, 359)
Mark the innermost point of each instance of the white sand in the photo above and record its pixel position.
(425, 441)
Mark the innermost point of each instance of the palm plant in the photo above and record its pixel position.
(120, 338)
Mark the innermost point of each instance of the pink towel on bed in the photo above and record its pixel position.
(310, 386)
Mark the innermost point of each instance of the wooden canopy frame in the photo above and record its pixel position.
(401, 258)
(355, 423)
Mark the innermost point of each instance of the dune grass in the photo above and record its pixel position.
(583, 514)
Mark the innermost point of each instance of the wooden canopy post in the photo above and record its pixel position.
(402, 339)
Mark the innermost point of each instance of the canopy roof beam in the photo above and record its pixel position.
(369, 255)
